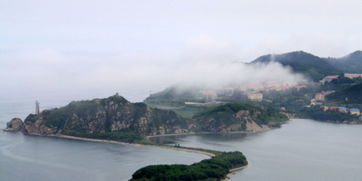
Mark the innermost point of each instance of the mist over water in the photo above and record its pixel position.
(53, 75)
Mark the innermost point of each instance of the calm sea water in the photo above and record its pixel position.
(300, 150)
(30, 158)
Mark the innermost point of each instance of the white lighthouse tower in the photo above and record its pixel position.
(37, 108)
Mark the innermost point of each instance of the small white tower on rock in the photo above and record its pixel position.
(37, 108)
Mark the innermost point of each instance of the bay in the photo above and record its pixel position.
(300, 150)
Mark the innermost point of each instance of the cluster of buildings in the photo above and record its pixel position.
(254, 96)
(343, 109)
(330, 78)
(352, 76)
(269, 86)
(321, 96)
(252, 91)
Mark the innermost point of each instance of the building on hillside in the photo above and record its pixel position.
(352, 76)
(328, 78)
(333, 108)
(37, 108)
(328, 92)
(209, 95)
(255, 96)
(325, 108)
(319, 97)
(298, 87)
(196, 103)
(355, 111)
(252, 86)
(343, 109)
(225, 92)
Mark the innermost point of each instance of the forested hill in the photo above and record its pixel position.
(109, 118)
(301, 62)
(350, 95)
(316, 67)
(351, 63)
(239, 116)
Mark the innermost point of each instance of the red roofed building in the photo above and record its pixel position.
(352, 76)
(300, 86)
(333, 108)
(329, 78)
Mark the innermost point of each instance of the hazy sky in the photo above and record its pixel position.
(67, 43)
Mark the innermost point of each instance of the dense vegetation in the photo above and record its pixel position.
(341, 83)
(226, 115)
(188, 111)
(293, 100)
(334, 116)
(215, 169)
(301, 62)
(351, 63)
(110, 118)
(123, 136)
(349, 95)
(314, 66)
(173, 96)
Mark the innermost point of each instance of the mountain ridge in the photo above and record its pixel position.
(313, 66)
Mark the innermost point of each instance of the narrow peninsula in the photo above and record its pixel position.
(116, 120)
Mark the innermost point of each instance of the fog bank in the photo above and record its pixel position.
(51, 73)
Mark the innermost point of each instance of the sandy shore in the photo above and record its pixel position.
(233, 172)
(206, 133)
(133, 144)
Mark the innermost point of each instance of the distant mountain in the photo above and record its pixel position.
(351, 63)
(351, 95)
(316, 67)
(301, 62)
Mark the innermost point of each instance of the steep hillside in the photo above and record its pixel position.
(112, 117)
(351, 95)
(351, 63)
(312, 66)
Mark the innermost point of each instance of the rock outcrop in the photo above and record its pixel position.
(112, 114)
(15, 125)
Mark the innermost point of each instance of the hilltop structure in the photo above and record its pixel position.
(37, 108)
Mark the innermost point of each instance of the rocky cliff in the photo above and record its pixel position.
(99, 116)
(239, 117)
